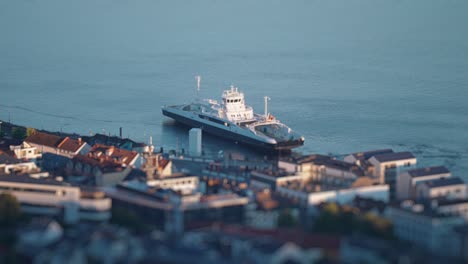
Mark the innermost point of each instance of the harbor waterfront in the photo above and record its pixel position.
(356, 151)
(396, 82)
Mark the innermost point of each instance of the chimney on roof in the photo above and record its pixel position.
(120, 132)
(79, 141)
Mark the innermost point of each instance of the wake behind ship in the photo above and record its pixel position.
(233, 120)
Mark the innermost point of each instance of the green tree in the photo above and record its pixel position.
(9, 210)
(19, 133)
(30, 131)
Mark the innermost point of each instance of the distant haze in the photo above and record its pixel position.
(350, 75)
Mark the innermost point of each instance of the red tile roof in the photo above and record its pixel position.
(44, 139)
(71, 145)
(111, 153)
(50, 140)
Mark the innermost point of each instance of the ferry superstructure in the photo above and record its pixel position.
(232, 119)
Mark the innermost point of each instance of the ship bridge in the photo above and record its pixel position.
(234, 108)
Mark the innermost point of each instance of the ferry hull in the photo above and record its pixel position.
(227, 134)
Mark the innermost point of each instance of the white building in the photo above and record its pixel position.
(48, 143)
(26, 151)
(55, 198)
(11, 165)
(177, 182)
(457, 207)
(387, 166)
(360, 158)
(317, 167)
(341, 195)
(407, 181)
(450, 188)
(424, 226)
(271, 179)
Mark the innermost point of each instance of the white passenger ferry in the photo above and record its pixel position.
(233, 120)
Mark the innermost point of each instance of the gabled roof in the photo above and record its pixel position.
(394, 156)
(444, 182)
(421, 172)
(44, 139)
(111, 153)
(71, 145)
(54, 141)
(103, 165)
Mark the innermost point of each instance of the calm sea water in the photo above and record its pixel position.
(349, 75)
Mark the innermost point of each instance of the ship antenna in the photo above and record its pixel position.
(266, 105)
(198, 78)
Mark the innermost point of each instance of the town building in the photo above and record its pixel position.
(156, 166)
(306, 191)
(456, 207)
(423, 225)
(450, 188)
(387, 166)
(320, 167)
(56, 198)
(64, 146)
(102, 166)
(407, 181)
(43, 196)
(174, 211)
(26, 152)
(12, 165)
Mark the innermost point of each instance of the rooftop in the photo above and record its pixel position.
(110, 153)
(277, 173)
(306, 159)
(444, 182)
(27, 179)
(368, 154)
(71, 145)
(54, 141)
(387, 157)
(44, 139)
(428, 171)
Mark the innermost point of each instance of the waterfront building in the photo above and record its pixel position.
(407, 181)
(64, 146)
(388, 165)
(118, 142)
(305, 190)
(319, 167)
(450, 188)
(361, 158)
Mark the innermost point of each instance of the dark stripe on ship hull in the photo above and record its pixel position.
(224, 133)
